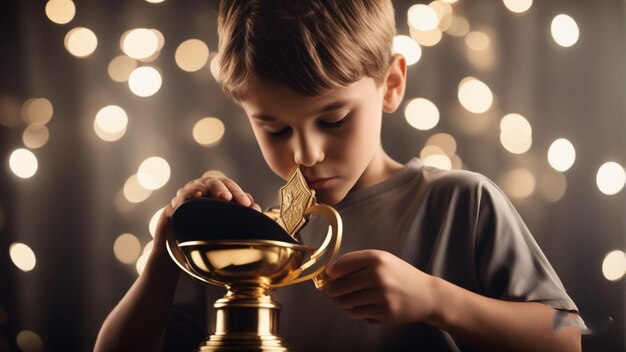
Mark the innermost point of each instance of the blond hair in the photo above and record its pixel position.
(310, 46)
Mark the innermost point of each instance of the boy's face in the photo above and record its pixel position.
(334, 138)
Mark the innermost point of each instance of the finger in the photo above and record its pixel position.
(369, 313)
(352, 262)
(238, 194)
(359, 298)
(217, 189)
(255, 206)
(347, 284)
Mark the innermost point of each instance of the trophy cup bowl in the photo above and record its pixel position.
(250, 254)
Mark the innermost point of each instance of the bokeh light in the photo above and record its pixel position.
(518, 6)
(444, 141)
(610, 178)
(60, 11)
(154, 221)
(121, 67)
(459, 27)
(561, 154)
(110, 123)
(429, 38)
(22, 256)
(564, 30)
(408, 47)
(127, 248)
(208, 131)
(23, 163)
(614, 265)
(213, 173)
(144, 81)
(153, 173)
(515, 133)
(140, 43)
(141, 262)
(28, 341)
(35, 136)
(422, 17)
(37, 110)
(191, 55)
(155, 1)
(477, 40)
(214, 67)
(421, 114)
(474, 95)
(81, 42)
(552, 186)
(519, 183)
(134, 192)
(439, 161)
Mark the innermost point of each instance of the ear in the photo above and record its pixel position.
(394, 84)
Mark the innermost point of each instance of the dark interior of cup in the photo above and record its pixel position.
(207, 219)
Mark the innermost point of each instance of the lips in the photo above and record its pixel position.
(318, 182)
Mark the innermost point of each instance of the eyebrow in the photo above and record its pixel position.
(330, 107)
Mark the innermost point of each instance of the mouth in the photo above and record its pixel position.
(318, 182)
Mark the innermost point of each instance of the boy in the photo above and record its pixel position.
(433, 260)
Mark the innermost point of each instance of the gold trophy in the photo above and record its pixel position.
(250, 254)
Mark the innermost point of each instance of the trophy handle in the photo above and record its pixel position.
(333, 238)
(179, 258)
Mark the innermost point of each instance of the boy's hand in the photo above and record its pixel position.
(381, 288)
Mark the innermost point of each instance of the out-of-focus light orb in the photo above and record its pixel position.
(144, 81)
(515, 133)
(474, 95)
(155, 1)
(423, 17)
(553, 186)
(444, 141)
(408, 47)
(519, 183)
(153, 173)
(444, 13)
(134, 192)
(610, 178)
(127, 248)
(214, 67)
(614, 265)
(160, 38)
(477, 40)
(141, 263)
(421, 114)
(518, 6)
(561, 154)
(429, 38)
(29, 341)
(81, 42)
(110, 123)
(439, 161)
(457, 163)
(208, 131)
(191, 55)
(9, 111)
(22, 256)
(564, 30)
(35, 136)
(60, 11)
(450, 1)
(213, 173)
(459, 27)
(154, 221)
(148, 247)
(121, 67)
(37, 110)
(140, 43)
(23, 163)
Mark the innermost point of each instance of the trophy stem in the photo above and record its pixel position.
(246, 320)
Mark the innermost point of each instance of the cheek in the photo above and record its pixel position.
(277, 158)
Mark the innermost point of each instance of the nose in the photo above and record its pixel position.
(308, 150)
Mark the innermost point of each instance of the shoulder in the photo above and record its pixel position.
(447, 181)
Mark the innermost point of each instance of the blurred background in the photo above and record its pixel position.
(108, 107)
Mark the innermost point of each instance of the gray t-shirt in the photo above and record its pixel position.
(456, 225)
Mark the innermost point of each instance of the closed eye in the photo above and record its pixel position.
(280, 133)
(335, 124)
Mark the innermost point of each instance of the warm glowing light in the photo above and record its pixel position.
(22, 256)
(214, 67)
(60, 11)
(140, 43)
(561, 154)
(214, 173)
(439, 161)
(476, 40)
(154, 221)
(444, 13)
(553, 186)
(474, 95)
(29, 341)
(564, 30)
(422, 114)
(408, 47)
(423, 17)
(35, 136)
(614, 265)
(134, 192)
(457, 163)
(144, 81)
(519, 183)
(429, 38)
(148, 247)
(141, 262)
(127, 248)
(208, 131)
(191, 55)
(23, 163)
(515, 133)
(81, 42)
(153, 173)
(9, 111)
(444, 141)
(110, 123)
(37, 110)
(121, 67)
(610, 178)
(518, 6)
(155, 1)
(459, 27)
